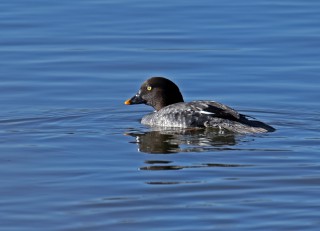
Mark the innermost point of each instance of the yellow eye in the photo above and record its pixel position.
(149, 88)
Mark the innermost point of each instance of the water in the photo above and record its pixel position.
(73, 157)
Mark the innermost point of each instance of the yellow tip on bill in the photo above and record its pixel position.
(127, 102)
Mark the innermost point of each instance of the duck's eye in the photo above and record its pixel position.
(149, 88)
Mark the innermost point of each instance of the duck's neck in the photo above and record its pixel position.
(167, 100)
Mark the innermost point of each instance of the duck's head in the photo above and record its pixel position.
(157, 92)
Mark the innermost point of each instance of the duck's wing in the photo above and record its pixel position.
(215, 109)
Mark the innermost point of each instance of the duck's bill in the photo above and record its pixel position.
(128, 102)
(134, 100)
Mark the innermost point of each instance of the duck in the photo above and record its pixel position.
(171, 111)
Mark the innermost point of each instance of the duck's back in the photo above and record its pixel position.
(199, 114)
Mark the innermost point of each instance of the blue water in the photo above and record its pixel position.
(74, 157)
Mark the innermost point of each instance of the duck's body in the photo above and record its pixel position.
(172, 111)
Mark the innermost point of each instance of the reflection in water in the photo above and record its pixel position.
(176, 167)
(182, 140)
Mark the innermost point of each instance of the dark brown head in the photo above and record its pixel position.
(157, 92)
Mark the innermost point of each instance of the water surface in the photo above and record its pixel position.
(75, 158)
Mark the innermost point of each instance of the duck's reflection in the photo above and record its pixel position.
(182, 140)
(176, 141)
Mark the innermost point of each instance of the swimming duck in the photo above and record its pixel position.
(171, 110)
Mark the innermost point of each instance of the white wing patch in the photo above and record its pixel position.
(201, 111)
(206, 112)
